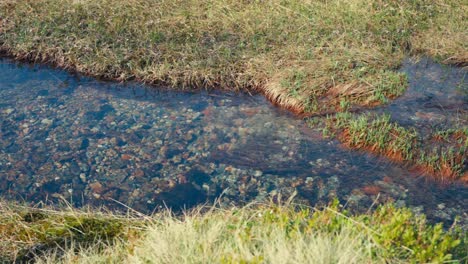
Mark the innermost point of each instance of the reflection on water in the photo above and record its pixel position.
(91, 142)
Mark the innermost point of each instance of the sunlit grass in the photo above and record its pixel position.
(256, 233)
(377, 133)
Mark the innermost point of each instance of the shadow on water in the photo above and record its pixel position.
(68, 137)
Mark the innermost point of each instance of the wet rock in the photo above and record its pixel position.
(126, 157)
(139, 173)
(8, 111)
(96, 187)
(83, 177)
(47, 122)
(371, 189)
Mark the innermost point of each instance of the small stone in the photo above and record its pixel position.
(441, 206)
(139, 173)
(371, 189)
(171, 184)
(83, 177)
(96, 195)
(258, 173)
(126, 157)
(46, 121)
(135, 193)
(8, 111)
(96, 187)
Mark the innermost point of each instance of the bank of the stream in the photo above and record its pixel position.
(257, 233)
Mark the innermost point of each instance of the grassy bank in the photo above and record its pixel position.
(443, 155)
(253, 234)
(303, 55)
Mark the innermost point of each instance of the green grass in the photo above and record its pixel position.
(443, 155)
(257, 233)
(303, 55)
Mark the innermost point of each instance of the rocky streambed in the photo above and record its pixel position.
(67, 137)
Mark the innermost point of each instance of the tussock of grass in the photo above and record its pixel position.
(303, 55)
(26, 232)
(252, 234)
(445, 159)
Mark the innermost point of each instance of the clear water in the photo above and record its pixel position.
(437, 97)
(89, 142)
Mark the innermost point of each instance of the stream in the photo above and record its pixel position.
(65, 137)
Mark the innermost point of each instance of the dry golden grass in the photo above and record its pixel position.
(447, 38)
(256, 233)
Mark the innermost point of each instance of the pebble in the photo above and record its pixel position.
(96, 187)
(258, 173)
(83, 177)
(8, 111)
(46, 121)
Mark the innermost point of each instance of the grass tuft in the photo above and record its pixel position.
(444, 156)
(256, 233)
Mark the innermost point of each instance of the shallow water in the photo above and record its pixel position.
(437, 97)
(68, 137)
